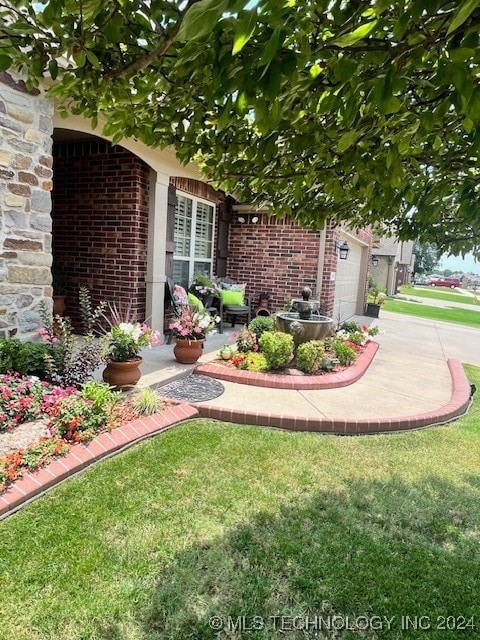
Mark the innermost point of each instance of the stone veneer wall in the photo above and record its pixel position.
(25, 224)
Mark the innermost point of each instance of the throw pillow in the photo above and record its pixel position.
(193, 301)
(180, 298)
(233, 298)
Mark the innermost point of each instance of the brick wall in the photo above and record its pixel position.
(274, 256)
(100, 222)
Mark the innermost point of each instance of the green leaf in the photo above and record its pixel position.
(473, 110)
(53, 69)
(5, 62)
(200, 19)
(462, 13)
(359, 33)
(347, 140)
(437, 143)
(344, 69)
(273, 45)
(244, 31)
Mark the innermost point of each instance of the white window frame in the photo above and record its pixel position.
(191, 259)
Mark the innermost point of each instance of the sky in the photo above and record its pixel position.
(467, 264)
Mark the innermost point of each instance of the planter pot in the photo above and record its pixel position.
(122, 375)
(372, 310)
(188, 351)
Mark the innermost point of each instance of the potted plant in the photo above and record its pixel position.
(125, 341)
(59, 286)
(204, 288)
(189, 331)
(376, 298)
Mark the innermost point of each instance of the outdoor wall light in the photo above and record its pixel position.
(375, 261)
(343, 249)
(241, 219)
(255, 219)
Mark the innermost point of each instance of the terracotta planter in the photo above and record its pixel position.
(188, 351)
(122, 375)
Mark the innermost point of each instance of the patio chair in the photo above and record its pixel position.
(233, 303)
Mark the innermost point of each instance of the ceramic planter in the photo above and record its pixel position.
(122, 375)
(188, 351)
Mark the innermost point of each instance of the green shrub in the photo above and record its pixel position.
(260, 324)
(277, 347)
(328, 364)
(146, 401)
(26, 358)
(310, 356)
(357, 337)
(255, 362)
(345, 354)
(351, 326)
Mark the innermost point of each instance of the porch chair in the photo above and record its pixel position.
(233, 303)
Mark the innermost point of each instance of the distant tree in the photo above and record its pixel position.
(425, 258)
(447, 273)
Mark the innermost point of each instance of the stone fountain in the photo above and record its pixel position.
(304, 322)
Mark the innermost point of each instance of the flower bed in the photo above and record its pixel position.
(261, 349)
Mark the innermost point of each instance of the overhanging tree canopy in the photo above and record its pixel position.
(360, 111)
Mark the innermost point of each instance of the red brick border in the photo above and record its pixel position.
(457, 406)
(297, 383)
(80, 456)
(34, 483)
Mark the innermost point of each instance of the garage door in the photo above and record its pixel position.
(348, 289)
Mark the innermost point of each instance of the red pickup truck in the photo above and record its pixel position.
(444, 282)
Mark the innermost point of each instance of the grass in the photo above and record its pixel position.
(446, 314)
(220, 519)
(438, 294)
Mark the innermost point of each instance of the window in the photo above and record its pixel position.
(194, 225)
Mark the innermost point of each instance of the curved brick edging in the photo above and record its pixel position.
(34, 483)
(457, 406)
(296, 383)
(80, 456)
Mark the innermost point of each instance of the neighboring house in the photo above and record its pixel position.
(392, 263)
(122, 218)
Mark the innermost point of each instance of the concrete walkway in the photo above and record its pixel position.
(410, 383)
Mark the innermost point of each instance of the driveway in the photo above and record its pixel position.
(440, 340)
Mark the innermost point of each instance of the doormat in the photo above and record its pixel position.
(193, 388)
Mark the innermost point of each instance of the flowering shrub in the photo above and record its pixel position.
(203, 286)
(20, 399)
(193, 325)
(32, 457)
(250, 361)
(246, 340)
(80, 415)
(128, 339)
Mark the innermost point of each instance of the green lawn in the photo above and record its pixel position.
(218, 519)
(438, 294)
(446, 314)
